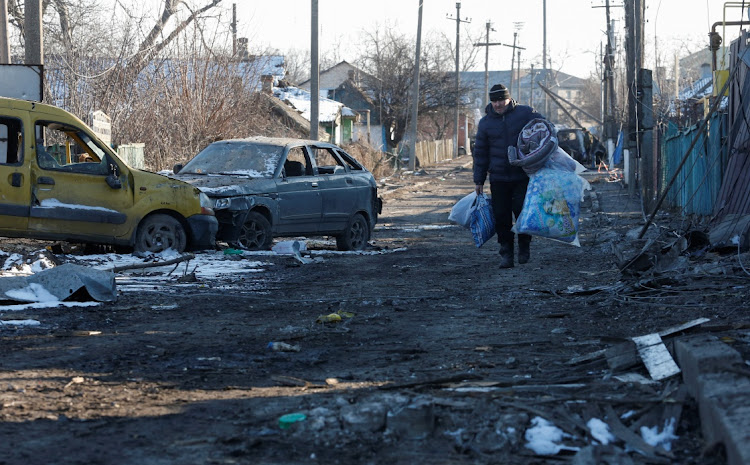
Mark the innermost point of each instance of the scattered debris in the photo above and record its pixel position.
(65, 282)
(625, 355)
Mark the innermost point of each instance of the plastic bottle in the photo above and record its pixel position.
(282, 347)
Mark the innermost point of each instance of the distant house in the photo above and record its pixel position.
(347, 84)
(266, 75)
(334, 117)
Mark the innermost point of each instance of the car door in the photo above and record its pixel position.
(299, 201)
(15, 185)
(70, 195)
(339, 190)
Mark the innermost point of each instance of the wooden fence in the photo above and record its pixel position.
(434, 152)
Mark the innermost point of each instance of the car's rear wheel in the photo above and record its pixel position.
(356, 235)
(158, 233)
(255, 233)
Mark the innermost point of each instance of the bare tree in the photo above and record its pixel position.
(174, 87)
(388, 57)
(297, 64)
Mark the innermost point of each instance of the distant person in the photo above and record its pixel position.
(594, 148)
(497, 130)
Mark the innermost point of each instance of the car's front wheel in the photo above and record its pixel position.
(256, 233)
(356, 235)
(158, 233)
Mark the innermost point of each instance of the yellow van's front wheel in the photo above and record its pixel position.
(158, 233)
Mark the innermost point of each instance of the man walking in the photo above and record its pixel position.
(497, 130)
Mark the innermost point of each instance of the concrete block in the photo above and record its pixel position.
(702, 354)
(725, 418)
(724, 406)
(736, 422)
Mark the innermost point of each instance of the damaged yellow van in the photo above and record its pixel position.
(58, 181)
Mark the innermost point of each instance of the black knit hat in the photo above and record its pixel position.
(499, 92)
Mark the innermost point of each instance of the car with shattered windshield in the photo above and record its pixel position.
(264, 187)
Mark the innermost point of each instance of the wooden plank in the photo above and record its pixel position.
(656, 357)
(586, 357)
(683, 327)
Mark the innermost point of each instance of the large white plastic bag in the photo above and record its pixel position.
(552, 205)
(461, 211)
(560, 160)
(482, 221)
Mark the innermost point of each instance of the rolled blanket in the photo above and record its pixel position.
(536, 143)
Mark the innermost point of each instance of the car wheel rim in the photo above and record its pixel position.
(357, 235)
(160, 237)
(252, 236)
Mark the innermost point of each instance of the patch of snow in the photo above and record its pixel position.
(33, 293)
(600, 431)
(663, 438)
(19, 323)
(54, 203)
(544, 438)
(20, 307)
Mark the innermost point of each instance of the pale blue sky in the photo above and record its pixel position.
(575, 28)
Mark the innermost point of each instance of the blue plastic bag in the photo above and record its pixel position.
(482, 221)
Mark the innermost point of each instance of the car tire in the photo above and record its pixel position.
(158, 233)
(356, 235)
(256, 233)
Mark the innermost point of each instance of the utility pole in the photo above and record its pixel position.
(33, 31)
(512, 63)
(4, 42)
(234, 29)
(415, 97)
(518, 76)
(516, 53)
(531, 87)
(610, 100)
(634, 52)
(486, 46)
(458, 79)
(314, 73)
(544, 55)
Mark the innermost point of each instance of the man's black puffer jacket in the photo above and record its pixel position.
(495, 133)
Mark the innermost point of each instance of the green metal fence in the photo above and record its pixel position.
(697, 184)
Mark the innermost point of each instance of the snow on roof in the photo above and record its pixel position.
(699, 89)
(259, 66)
(298, 98)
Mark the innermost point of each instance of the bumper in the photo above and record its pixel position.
(203, 230)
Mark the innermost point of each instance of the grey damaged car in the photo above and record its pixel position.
(265, 187)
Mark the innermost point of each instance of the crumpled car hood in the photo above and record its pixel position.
(227, 185)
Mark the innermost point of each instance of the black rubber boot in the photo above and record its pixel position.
(524, 249)
(506, 255)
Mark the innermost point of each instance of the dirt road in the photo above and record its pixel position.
(439, 356)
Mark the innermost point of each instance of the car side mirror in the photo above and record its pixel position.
(176, 168)
(113, 178)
